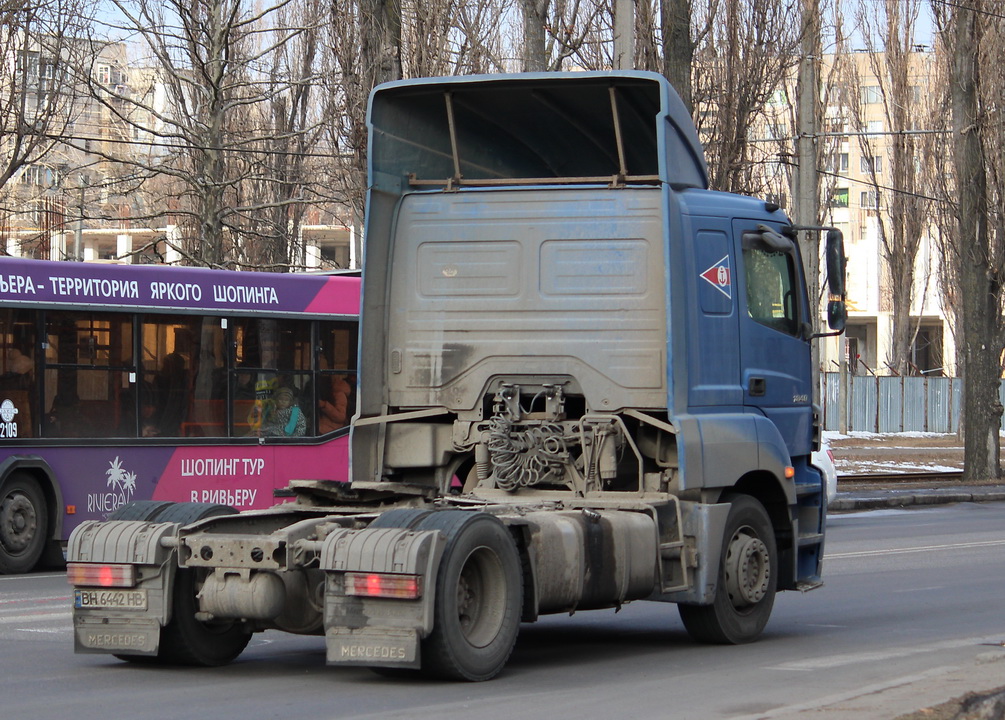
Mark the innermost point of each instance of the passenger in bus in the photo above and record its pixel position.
(17, 369)
(333, 403)
(286, 419)
(263, 403)
(171, 396)
(63, 418)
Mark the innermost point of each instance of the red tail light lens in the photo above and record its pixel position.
(101, 574)
(383, 585)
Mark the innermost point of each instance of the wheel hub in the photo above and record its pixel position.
(748, 569)
(17, 522)
(480, 597)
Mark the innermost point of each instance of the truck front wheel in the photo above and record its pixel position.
(745, 591)
(479, 596)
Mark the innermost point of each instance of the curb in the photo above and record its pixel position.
(885, 499)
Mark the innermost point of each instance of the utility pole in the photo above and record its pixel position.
(624, 34)
(807, 185)
(78, 240)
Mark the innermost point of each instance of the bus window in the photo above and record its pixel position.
(272, 358)
(335, 400)
(17, 374)
(88, 363)
(183, 392)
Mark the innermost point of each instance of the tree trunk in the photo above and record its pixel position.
(678, 48)
(981, 306)
(535, 50)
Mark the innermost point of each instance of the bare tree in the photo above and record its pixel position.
(975, 38)
(40, 45)
(223, 103)
(888, 89)
(744, 59)
(363, 49)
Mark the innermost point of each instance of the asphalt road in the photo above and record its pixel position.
(912, 596)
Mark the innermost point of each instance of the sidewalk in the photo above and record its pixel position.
(858, 497)
(902, 452)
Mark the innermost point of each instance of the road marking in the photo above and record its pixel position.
(833, 661)
(35, 617)
(35, 599)
(917, 549)
(31, 576)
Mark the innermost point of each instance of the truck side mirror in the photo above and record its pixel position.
(837, 315)
(837, 312)
(835, 262)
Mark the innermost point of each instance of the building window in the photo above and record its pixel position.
(839, 163)
(839, 198)
(872, 164)
(40, 176)
(871, 94)
(869, 199)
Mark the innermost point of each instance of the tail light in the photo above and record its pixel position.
(383, 585)
(101, 574)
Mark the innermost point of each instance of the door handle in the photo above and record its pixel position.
(757, 386)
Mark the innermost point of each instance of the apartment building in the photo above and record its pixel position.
(856, 141)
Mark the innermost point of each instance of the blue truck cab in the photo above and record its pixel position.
(559, 314)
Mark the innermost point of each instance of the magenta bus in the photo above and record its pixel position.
(121, 383)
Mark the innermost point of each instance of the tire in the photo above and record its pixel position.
(139, 510)
(186, 513)
(24, 523)
(747, 580)
(400, 518)
(479, 597)
(188, 641)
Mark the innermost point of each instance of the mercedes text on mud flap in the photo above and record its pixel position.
(585, 380)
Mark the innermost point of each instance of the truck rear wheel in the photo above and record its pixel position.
(139, 510)
(479, 595)
(186, 640)
(23, 523)
(745, 591)
(189, 641)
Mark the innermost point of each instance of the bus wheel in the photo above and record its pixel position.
(745, 591)
(479, 596)
(23, 523)
(189, 641)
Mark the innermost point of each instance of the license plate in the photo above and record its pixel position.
(110, 599)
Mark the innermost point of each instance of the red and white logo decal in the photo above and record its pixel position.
(719, 277)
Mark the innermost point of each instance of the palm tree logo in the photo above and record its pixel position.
(119, 478)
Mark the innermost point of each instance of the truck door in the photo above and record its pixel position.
(774, 345)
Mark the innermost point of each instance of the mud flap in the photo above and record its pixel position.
(378, 631)
(124, 621)
(127, 636)
(705, 524)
